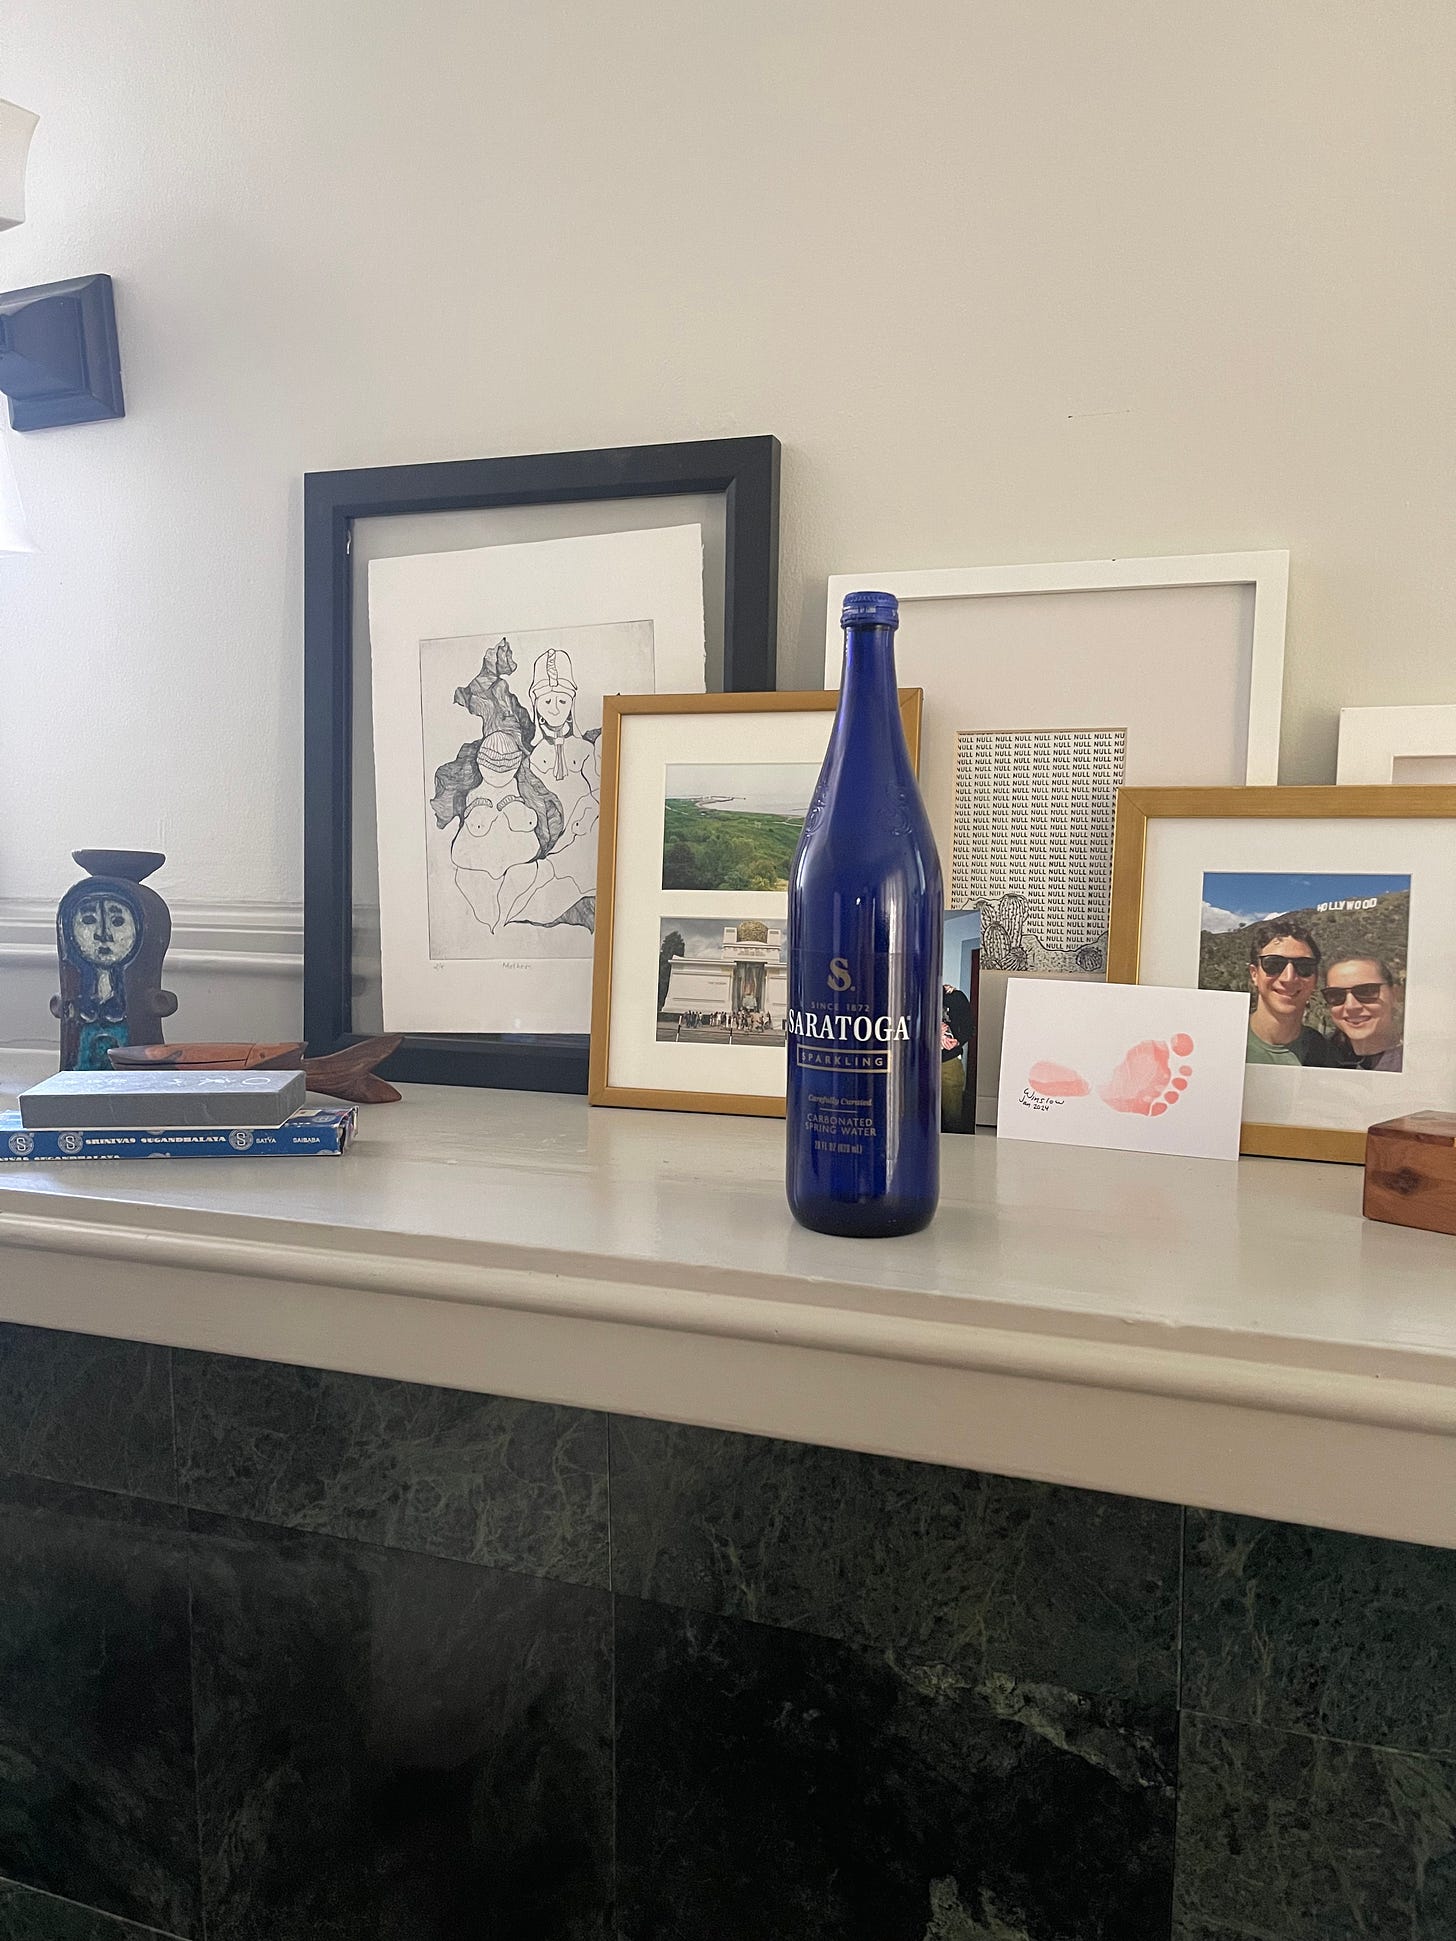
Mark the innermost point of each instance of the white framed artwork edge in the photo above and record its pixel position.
(1266, 571)
(1247, 741)
(1372, 740)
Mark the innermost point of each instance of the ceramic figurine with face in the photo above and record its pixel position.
(111, 937)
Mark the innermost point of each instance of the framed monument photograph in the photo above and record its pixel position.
(703, 802)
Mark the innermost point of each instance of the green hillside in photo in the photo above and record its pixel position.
(708, 849)
(1223, 958)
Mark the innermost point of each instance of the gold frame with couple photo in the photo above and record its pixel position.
(1140, 811)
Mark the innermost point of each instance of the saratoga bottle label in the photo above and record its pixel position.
(849, 1028)
(842, 1031)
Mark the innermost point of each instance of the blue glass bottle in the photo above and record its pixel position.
(865, 918)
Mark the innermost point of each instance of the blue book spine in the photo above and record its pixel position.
(864, 1010)
(319, 1131)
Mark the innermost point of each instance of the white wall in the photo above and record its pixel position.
(1012, 280)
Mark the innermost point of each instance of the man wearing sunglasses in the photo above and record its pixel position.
(1284, 963)
(1364, 1001)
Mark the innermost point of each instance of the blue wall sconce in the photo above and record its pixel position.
(59, 359)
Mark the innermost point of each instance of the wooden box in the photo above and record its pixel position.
(1410, 1171)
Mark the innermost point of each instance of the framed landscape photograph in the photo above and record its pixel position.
(703, 802)
(1333, 911)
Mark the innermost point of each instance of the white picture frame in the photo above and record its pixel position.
(1089, 644)
(1397, 745)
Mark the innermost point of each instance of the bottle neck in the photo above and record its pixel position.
(869, 699)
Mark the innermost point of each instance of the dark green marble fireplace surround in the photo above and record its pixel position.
(293, 1656)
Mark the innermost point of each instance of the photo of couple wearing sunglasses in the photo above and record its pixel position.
(1326, 979)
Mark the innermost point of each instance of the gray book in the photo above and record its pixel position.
(162, 1100)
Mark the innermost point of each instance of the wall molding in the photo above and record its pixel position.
(242, 939)
(237, 970)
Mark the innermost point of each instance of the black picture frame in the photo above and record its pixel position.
(744, 470)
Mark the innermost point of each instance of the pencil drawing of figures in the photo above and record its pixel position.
(516, 809)
(515, 859)
(489, 668)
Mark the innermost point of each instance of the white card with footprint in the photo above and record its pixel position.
(1133, 1066)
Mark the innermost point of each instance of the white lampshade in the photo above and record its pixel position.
(17, 125)
(14, 538)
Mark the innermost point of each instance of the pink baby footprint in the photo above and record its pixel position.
(1145, 1082)
(1057, 1081)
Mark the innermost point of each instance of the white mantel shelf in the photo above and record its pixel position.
(1231, 1336)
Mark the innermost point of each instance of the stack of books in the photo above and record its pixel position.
(172, 1115)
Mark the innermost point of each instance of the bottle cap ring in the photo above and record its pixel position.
(870, 610)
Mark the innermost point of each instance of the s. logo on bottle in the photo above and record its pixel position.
(839, 977)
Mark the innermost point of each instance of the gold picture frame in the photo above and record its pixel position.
(617, 713)
(1140, 808)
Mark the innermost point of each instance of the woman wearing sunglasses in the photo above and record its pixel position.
(1364, 1001)
(1284, 962)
